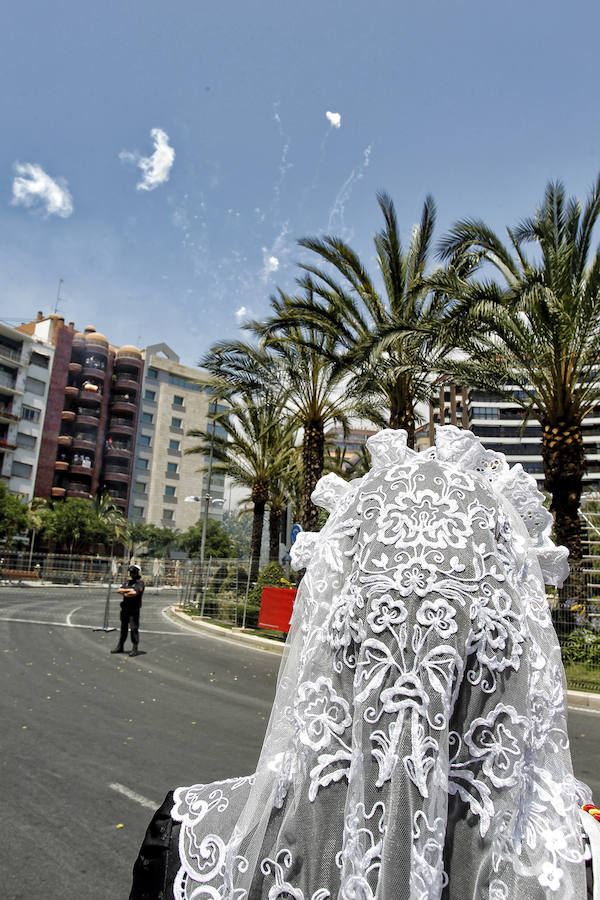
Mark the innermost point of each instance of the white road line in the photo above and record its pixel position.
(131, 795)
(69, 623)
(92, 627)
(43, 622)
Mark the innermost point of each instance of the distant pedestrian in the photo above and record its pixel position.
(130, 610)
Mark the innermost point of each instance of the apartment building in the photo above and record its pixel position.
(174, 399)
(25, 368)
(501, 426)
(90, 414)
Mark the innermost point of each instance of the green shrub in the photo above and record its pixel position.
(582, 646)
(270, 576)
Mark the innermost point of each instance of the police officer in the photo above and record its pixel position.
(130, 610)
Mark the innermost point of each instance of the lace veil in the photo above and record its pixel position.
(417, 746)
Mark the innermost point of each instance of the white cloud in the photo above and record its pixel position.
(335, 119)
(32, 186)
(155, 168)
(241, 313)
(270, 262)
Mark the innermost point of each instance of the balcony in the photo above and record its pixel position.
(125, 383)
(78, 489)
(7, 416)
(61, 465)
(117, 451)
(88, 418)
(9, 383)
(93, 398)
(65, 440)
(84, 443)
(68, 415)
(125, 361)
(11, 353)
(81, 470)
(112, 473)
(120, 426)
(71, 391)
(120, 405)
(4, 445)
(75, 368)
(57, 492)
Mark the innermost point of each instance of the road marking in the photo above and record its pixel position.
(131, 795)
(70, 614)
(71, 625)
(43, 622)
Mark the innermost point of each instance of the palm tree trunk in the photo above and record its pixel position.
(260, 495)
(402, 416)
(564, 465)
(313, 450)
(274, 532)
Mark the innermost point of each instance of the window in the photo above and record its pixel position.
(144, 440)
(150, 395)
(147, 418)
(169, 490)
(175, 422)
(171, 467)
(168, 514)
(21, 470)
(484, 412)
(152, 373)
(141, 463)
(38, 359)
(138, 512)
(30, 414)
(26, 441)
(35, 386)
(177, 400)
(183, 382)
(140, 487)
(173, 444)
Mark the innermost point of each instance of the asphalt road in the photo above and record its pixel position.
(92, 742)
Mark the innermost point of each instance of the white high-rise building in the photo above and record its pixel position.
(175, 399)
(25, 369)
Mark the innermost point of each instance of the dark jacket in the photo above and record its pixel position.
(133, 603)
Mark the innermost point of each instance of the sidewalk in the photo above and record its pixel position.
(235, 634)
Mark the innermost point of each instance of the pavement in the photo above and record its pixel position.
(576, 699)
(92, 742)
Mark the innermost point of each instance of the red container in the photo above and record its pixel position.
(276, 605)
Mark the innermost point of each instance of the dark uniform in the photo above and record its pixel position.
(130, 611)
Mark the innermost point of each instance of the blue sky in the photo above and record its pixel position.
(477, 103)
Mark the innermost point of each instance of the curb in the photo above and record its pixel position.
(238, 636)
(583, 700)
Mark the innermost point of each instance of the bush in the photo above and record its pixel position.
(270, 576)
(582, 646)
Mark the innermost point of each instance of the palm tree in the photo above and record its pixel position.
(113, 520)
(253, 450)
(350, 312)
(536, 329)
(299, 361)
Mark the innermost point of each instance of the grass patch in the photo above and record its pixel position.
(582, 677)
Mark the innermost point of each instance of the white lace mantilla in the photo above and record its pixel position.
(417, 746)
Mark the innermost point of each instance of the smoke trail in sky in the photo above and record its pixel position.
(284, 166)
(336, 220)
